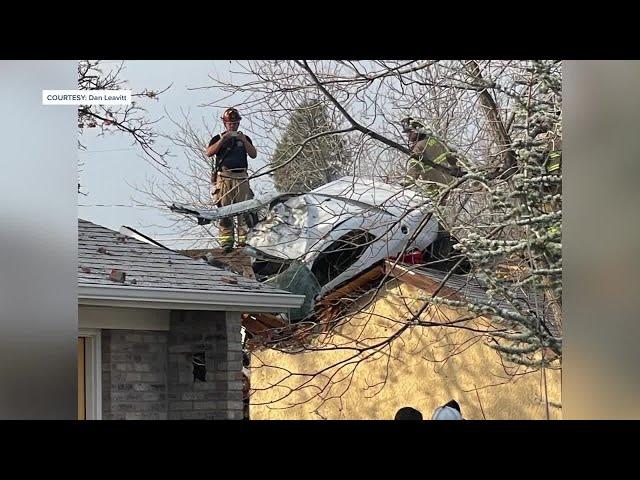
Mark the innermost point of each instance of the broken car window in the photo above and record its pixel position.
(340, 255)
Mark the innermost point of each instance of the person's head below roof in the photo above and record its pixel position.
(448, 411)
(408, 413)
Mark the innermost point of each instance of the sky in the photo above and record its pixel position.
(112, 166)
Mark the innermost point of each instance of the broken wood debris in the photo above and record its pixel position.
(117, 275)
(247, 272)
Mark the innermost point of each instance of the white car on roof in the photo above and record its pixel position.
(337, 230)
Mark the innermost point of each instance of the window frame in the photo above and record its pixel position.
(93, 372)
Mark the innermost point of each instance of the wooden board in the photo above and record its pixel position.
(419, 280)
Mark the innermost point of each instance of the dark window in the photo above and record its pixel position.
(199, 367)
(340, 255)
(246, 359)
(268, 268)
(441, 255)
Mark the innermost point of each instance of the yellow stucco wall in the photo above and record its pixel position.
(424, 368)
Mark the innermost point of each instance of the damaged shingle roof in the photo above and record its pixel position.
(473, 290)
(100, 250)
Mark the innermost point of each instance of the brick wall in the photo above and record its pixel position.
(217, 335)
(134, 375)
(149, 375)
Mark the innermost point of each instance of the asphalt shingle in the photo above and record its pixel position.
(101, 250)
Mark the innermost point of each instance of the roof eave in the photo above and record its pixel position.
(184, 299)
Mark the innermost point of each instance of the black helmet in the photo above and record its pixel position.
(410, 124)
(406, 124)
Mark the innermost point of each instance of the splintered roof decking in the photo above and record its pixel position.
(237, 260)
(337, 303)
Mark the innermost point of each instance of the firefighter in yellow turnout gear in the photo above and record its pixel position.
(230, 182)
(426, 146)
